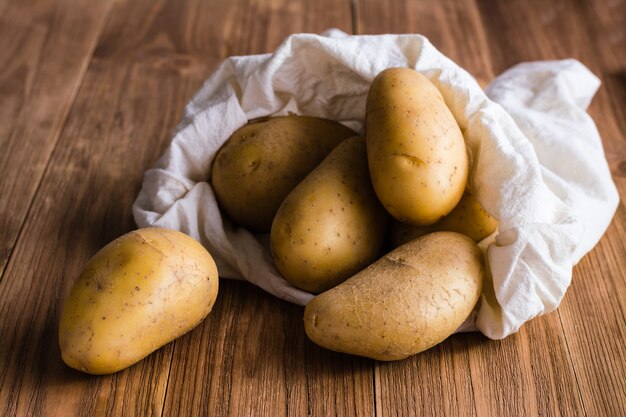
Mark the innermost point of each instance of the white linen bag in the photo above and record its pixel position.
(537, 162)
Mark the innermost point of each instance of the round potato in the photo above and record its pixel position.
(331, 225)
(468, 218)
(416, 151)
(136, 294)
(263, 161)
(406, 302)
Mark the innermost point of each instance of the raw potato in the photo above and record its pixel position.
(406, 302)
(416, 151)
(468, 218)
(331, 225)
(136, 294)
(263, 161)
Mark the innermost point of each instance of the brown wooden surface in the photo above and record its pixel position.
(90, 91)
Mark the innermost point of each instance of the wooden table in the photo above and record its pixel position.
(90, 91)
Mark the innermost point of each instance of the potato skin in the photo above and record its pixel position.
(263, 161)
(468, 218)
(331, 225)
(136, 294)
(406, 302)
(414, 143)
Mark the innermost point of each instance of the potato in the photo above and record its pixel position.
(406, 302)
(416, 151)
(468, 218)
(263, 161)
(331, 225)
(136, 294)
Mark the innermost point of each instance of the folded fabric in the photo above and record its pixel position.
(537, 163)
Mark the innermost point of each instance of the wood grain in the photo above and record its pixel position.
(595, 336)
(605, 35)
(511, 22)
(82, 203)
(594, 320)
(515, 376)
(46, 47)
(606, 23)
(436, 382)
(115, 131)
(543, 356)
(258, 361)
(446, 24)
(89, 94)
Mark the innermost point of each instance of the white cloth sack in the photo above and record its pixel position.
(537, 162)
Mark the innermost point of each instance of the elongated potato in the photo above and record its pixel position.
(406, 302)
(331, 225)
(263, 161)
(416, 151)
(136, 294)
(468, 218)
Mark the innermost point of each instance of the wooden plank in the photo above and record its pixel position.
(252, 355)
(336, 384)
(513, 20)
(45, 46)
(595, 323)
(116, 129)
(592, 313)
(607, 22)
(452, 27)
(148, 61)
(535, 30)
(469, 375)
(83, 202)
(528, 373)
(434, 383)
(258, 361)
(604, 28)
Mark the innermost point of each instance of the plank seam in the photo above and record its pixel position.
(375, 375)
(571, 361)
(471, 379)
(167, 380)
(307, 385)
(62, 125)
(10, 136)
(483, 39)
(354, 16)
